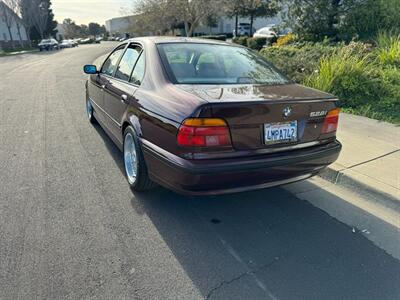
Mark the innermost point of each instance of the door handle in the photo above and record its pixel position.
(124, 98)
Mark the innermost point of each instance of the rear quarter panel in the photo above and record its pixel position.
(161, 107)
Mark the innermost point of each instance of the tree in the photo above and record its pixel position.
(370, 17)
(27, 12)
(317, 18)
(39, 17)
(211, 21)
(50, 29)
(71, 30)
(83, 30)
(193, 12)
(234, 8)
(94, 29)
(103, 30)
(258, 8)
(153, 16)
(342, 19)
(162, 15)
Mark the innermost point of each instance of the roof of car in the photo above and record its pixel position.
(176, 39)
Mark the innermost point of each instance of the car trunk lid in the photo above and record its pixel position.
(253, 112)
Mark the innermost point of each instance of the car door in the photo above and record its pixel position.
(120, 89)
(100, 81)
(96, 94)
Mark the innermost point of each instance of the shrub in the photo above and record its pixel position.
(220, 37)
(361, 83)
(272, 40)
(285, 40)
(256, 43)
(388, 50)
(297, 62)
(347, 75)
(365, 78)
(241, 40)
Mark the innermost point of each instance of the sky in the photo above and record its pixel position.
(86, 11)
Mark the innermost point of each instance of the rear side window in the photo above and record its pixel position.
(127, 62)
(111, 62)
(138, 72)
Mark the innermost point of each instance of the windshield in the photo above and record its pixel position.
(46, 41)
(193, 63)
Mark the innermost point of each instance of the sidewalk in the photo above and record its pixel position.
(370, 160)
(4, 54)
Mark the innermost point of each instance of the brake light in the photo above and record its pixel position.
(331, 121)
(204, 132)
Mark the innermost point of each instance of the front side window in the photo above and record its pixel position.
(127, 62)
(193, 63)
(110, 64)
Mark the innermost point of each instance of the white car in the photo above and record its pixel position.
(74, 43)
(48, 44)
(66, 44)
(266, 32)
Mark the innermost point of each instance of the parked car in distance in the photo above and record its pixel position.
(243, 29)
(74, 43)
(271, 31)
(98, 40)
(208, 117)
(266, 32)
(48, 45)
(65, 44)
(87, 41)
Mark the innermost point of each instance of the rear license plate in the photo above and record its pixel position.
(275, 133)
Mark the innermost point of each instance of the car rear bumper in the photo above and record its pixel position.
(220, 176)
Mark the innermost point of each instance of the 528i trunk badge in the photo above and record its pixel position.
(287, 111)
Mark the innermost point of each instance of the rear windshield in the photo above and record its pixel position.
(193, 63)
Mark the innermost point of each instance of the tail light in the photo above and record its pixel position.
(331, 121)
(204, 132)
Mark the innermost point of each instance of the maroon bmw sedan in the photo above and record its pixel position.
(206, 117)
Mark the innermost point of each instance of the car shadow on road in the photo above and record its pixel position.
(265, 244)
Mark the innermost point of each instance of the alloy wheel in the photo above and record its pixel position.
(130, 158)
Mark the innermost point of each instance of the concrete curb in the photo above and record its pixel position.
(5, 54)
(384, 196)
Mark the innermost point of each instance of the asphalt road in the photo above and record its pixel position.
(70, 228)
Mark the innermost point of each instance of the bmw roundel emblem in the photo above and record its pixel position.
(287, 111)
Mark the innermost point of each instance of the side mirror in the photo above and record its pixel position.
(90, 69)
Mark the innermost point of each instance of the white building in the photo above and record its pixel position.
(18, 35)
(119, 26)
(227, 25)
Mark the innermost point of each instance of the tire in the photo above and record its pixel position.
(89, 111)
(134, 163)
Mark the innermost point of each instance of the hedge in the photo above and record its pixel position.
(214, 37)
